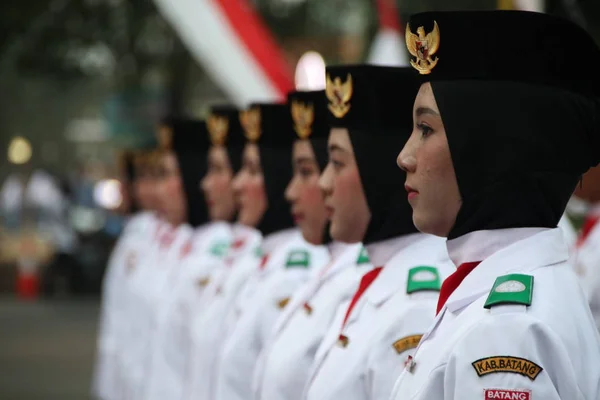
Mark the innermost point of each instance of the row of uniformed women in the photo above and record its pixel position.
(490, 149)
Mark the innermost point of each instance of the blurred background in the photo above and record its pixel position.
(80, 80)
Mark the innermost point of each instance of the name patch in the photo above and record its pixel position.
(515, 365)
(501, 394)
(407, 343)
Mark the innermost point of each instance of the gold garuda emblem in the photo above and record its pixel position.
(218, 127)
(304, 116)
(423, 47)
(165, 137)
(250, 120)
(339, 94)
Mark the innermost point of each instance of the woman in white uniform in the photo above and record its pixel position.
(200, 256)
(288, 260)
(208, 322)
(379, 328)
(181, 206)
(496, 150)
(285, 362)
(138, 204)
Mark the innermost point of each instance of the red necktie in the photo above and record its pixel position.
(365, 282)
(263, 262)
(588, 225)
(452, 282)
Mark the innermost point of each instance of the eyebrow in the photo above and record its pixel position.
(332, 147)
(425, 110)
(303, 160)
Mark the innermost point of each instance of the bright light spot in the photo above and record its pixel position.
(107, 194)
(310, 72)
(19, 150)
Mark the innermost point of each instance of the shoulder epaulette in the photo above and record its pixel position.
(363, 257)
(511, 289)
(423, 278)
(298, 258)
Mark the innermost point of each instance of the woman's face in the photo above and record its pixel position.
(249, 188)
(304, 194)
(431, 181)
(172, 201)
(217, 185)
(345, 200)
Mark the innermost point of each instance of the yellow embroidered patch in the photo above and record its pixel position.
(514, 365)
(283, 302)
(203, 282)
(407, 343)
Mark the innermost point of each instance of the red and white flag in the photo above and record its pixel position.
(388, 47)
(231, 42)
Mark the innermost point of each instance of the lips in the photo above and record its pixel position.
(412, 193)
(329, 211)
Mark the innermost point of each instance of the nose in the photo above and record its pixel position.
(406, 159)
(325, 181)
(290, 191)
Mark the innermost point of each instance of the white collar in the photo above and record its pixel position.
(337, 248)
(479, 245)
(381, 252)
(275, 239)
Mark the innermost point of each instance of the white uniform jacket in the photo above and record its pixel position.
(587, 262)
(149, 287)
(132, 242)
(210, 325)
(291, 263)
(363, 359)
(284, 364)
(488, 343)
(170, 350)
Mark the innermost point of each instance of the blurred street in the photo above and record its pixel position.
(46, 349)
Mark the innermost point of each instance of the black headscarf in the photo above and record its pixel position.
(519, 137)
(190, 145)
(268, 126)
(309, 115)
(234, 136)
(379, 121)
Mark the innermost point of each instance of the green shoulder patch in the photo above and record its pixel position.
(511, 289)
(298, 258)
(219, 248)
(363, 257)
(423, 278)
(258, 253)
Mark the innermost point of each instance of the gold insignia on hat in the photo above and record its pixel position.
(165, 137)
(339, 94)
(422, 47)
(304, 116)
(218, 127)
(250, 120)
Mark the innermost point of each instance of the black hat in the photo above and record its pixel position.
(309, 117)
(225, 129)
(268, 126)
(375, 104)
(188, 139)
(514, 46)
(309, 121)
(517, 96)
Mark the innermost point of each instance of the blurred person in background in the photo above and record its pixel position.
(587, 248)
(200, 257)
(138, 206)
(380, 327)
(180, 207)
(221, 286)
(288, 260)
(284, 364)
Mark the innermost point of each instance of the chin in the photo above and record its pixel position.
(427, 224)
